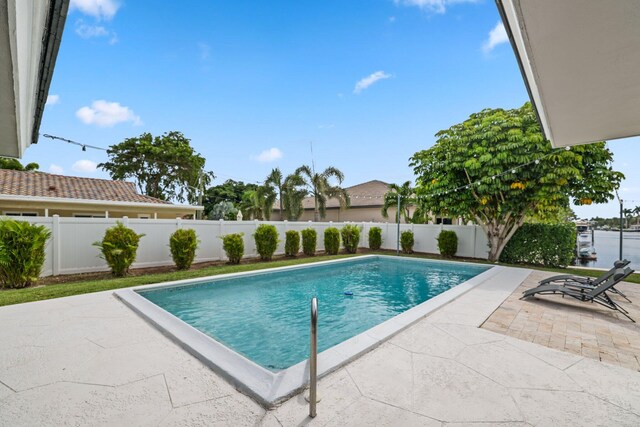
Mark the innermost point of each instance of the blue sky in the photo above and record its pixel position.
(253, 84)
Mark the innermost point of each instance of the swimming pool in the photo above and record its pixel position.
(257, 324)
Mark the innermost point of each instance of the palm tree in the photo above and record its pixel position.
(257, 204)
(407, 199)
(250, 205)
(294, 192)
(321, 189)
(636, 212)
(275, 179)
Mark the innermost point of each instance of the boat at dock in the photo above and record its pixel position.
(585, 250)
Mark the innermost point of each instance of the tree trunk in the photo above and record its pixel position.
(499, 234)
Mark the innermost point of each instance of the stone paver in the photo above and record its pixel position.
(584, 329)
(89, 360)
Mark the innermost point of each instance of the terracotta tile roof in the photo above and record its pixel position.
(367, 194)
(40, 184)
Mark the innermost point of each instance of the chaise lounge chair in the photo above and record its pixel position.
(579, 281)
(596, 294)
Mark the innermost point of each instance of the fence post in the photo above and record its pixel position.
(475, 240)
(220, 234)
(178, 222)
(125, 221)
(55, 245)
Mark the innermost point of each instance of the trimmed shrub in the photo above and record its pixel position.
(375, 238)
(233, 246)
(331, 240)
(266, 237)
(309, 240)
(119, 247)
(292, 243)
(550, 245)
(21, 252)
(350, 238)
(183, 244)
(447, 243)
(406, 242)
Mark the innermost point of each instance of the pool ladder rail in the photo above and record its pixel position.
(313, 359)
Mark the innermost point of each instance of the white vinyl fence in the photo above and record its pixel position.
(70, 249)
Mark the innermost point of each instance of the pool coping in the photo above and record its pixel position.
(270, 388)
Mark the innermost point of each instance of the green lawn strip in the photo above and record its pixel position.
(18, 296)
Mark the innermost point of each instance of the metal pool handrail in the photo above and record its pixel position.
(313, 359)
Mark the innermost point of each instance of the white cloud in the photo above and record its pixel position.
(53, 168)
(52, 99)
(269, 155)
(84, 166)
(106, 114)
(87, 31)
(99, 9)
(435, 6)
(392, 19)
(365, 82)
(497, 35)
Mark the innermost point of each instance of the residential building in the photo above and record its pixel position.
(43, 194)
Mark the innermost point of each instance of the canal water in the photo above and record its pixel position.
(608, 249)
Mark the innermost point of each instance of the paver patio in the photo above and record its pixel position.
(89, 360)
(587, 329)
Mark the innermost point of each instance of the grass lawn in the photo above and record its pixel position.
(17, 296)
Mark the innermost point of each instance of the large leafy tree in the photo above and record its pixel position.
(407, 199)
(496, 168)
(319, 187)
(165, 167)
(14, 164)
(229, 191)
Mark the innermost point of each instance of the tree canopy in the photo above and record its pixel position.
(165, 167)
(496, 168)
(229, 191)
(14, 164)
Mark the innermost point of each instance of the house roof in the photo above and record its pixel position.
(367, 194)
(40, 184)
(580, 62)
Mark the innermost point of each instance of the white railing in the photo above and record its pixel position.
(70, 249)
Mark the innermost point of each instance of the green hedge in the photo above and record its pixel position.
(309, 240)
(119, 248)
(331, 241)
(406, 241)
(22, 252)
(183, 244)
(350, 238)
(233, 246)
(375, 238)
(447, 243)
(292, 243)
(266, 237)
(550, 245)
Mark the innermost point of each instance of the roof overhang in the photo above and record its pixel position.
(30, 34)
(101, 203)
(581, 63)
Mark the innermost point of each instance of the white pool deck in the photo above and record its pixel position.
(90, 360)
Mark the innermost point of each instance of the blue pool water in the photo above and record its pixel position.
(265, 316)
